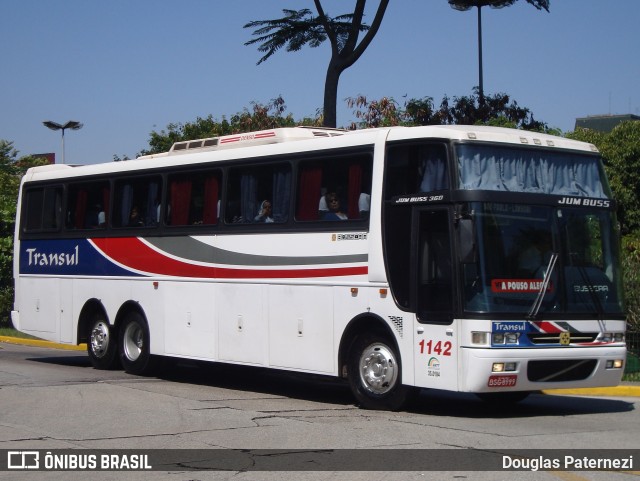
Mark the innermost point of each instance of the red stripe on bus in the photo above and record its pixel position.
(135, 254)
(547, 327)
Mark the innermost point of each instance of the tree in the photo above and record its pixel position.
(300, 27)
(497, 110)
(620, 151)
(11, 171)
(467, 4)
(259, 117)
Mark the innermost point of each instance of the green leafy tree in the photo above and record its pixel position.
(620, 151)
(497, 110)
(11, 170)
(259, 117)
(300, 27)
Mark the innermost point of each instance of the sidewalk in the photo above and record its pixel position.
(624, 389)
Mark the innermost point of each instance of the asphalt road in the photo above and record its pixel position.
(53, 399)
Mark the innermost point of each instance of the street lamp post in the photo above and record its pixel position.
(466, 5)
(71, 124)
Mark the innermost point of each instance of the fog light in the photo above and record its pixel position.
(510, 366)
(497, 367)
(615, 364)
(479, 338)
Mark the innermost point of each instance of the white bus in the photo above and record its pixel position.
(469, 259)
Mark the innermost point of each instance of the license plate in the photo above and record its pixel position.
(503, 381)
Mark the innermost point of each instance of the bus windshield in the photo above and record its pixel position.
(542, 261)
(539, 171)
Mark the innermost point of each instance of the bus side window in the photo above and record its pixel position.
(435, 271)
(137, 202)
(87, 205)
(249, 188)
(44, 209)
(346, 178)
(193, 199)
(416, 168)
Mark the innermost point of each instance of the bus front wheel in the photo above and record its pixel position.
(375, 374)
(102, 344)
(134, 349)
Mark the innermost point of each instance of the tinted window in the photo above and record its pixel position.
(412, 169)
(137, 202)
(193, 198)
(336, 188)
(43, 209)
(87, 205)
(258, 194)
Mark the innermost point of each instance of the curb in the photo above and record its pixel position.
(622, 390)
(617, 391)
(40, 343)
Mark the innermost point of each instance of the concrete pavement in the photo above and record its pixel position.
(624, 389)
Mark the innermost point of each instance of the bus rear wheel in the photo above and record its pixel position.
(375, 374)
(135, 354)
(102, 343)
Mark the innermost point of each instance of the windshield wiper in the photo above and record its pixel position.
(537, 304)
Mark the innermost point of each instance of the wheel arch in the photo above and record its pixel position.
(365, 322)
(126, 308)
(90, 308)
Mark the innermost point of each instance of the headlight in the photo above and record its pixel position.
(505, 338)
(479, 338)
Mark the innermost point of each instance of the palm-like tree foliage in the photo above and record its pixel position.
(298, 28)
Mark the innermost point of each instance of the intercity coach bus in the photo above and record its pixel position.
(462, 258)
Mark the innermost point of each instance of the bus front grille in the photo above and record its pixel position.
(560, 370)
(554, 337)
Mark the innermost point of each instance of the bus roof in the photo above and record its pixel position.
(305, 138)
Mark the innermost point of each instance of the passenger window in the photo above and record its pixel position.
(137, 202)
(193, 199)
(43, 209)
(336, 188)
(87, 206)
(413, 169)
(259, 195)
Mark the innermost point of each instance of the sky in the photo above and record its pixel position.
(126, 68)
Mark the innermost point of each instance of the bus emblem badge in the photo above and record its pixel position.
(565, 338)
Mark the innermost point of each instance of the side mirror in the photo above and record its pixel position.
(466, 240)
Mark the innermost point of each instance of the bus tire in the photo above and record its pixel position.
(102, 343)
(134, 346)
(375, 374)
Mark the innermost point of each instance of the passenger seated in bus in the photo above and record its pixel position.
(322, 204)
(266, 214)
(334, 212)
(364, 205)
(134, 218)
